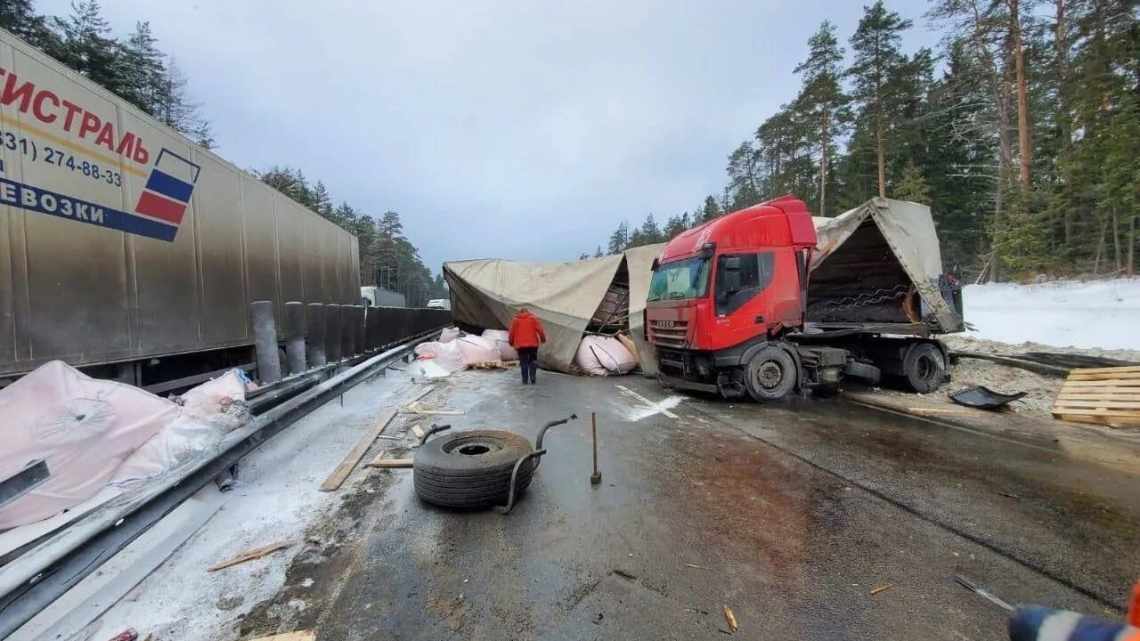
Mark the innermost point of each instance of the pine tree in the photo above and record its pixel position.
(18, 17)
(822, 101)
(876, 45)
(709, 210)
(912, 185)
(619, 240)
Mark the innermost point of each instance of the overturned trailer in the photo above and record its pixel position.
(875, 269)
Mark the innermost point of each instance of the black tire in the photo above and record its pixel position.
(924, 367)
(471, 469)
(770, 375)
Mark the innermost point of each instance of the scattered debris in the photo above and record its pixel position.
(982, 592)
(492, 365)
(417, 408)
(730, 619)
(598, 618)
(336, 479)
(982, 397)
(699, 567)
(418, 431)
(1104, 396)
(625, 575)
(130, 634)
(250, 555)
(882, 588)
(303, 635)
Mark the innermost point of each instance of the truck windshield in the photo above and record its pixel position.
(683, 279)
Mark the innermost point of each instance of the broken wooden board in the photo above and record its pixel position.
(385, 463)
(416, 408)
(1102, 396)
(302, 635)
(250, 555)
(338, 476)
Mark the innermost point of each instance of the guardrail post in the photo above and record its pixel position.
(265, 341)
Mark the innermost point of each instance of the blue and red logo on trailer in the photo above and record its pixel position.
(168, 189)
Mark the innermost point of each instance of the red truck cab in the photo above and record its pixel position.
(726, 311)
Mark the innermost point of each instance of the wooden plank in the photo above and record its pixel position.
(1121, 376)
(302, 635)
(1105, 370)
(336, 479)
(1110, 421)
(1101, 384)
(1108, 395)
(249, 555)
(381, 462)
(1118, 413)
(417, 397)
(1127, 405)
(433, 412)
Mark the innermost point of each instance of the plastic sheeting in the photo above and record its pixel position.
(83, 428)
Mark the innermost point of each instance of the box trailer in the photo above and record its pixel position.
(123, 244)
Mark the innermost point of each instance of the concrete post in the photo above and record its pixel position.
(372, 328)
(361, 345)
(295, 336)
(347, 331)
(265, 341)
(315, 335)
(332, 332)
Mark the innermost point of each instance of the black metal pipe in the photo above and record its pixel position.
(432, 430)
(542, 430)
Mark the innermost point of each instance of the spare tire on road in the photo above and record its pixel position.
(471, 469)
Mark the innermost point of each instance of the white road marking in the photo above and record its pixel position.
(657, 407)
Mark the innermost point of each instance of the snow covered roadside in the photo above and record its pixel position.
(1095, 314)
(275, 499)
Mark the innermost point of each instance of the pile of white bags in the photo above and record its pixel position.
(458, 351)
(502, 339)
(92, 432)
(603, 356)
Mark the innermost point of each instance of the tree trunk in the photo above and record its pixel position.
(1116, 257)
(1100, 246)
(880, 152)
(1061, 39)
(1132, 245)
(823, 164)
(1025, 148)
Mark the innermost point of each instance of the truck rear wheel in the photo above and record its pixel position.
(770, 375)
(924, 367)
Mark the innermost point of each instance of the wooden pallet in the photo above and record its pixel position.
(1104, 395)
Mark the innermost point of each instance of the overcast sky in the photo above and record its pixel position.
(521, 130)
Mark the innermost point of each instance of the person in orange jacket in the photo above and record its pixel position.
(526, 335)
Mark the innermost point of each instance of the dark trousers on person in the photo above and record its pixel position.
(528, 364)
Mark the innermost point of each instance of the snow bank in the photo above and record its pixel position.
(1091, 314)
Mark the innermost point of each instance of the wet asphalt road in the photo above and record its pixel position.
(789, 515)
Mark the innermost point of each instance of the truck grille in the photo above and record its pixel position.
(669, 333)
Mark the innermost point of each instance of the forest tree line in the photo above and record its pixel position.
(1020, 132)
(137, 70)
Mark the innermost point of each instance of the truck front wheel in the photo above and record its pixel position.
(770, 375)
(924, 367)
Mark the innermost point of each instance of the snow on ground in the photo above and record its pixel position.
(276, 499)
(1094, 314)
